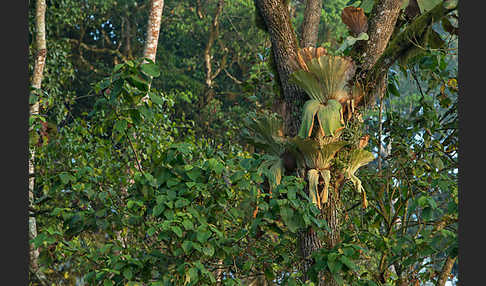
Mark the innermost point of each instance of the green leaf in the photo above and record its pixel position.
(208, 250)
(192, 275)
(186, 246)
(310, 109)
(150, 69)
(156, 98)
(427, 5)
(313, 178)
(329, 117)
(151, 231)
(188, 225)
(289, 219)
(350, 264)
(177, 230)
(367, 5)
(158, 209)
(203, 234)
(127, 273)
(334, 266)
(181, 203)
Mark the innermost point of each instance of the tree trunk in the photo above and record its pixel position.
(210, 74)
(310, 26)
(153, 29)
(446, 270)
(382, 23)
(284, 47)
(37, 76)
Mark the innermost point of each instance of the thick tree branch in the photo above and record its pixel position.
(383, 19)
(405, 41)
(284, 48)
(310, 26)
(98, 50)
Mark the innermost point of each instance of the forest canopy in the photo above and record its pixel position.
(243, 142)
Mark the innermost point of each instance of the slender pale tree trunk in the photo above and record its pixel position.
(153, 29)
(149, 52)
(310, 26)
(40, 42)
(446, 271)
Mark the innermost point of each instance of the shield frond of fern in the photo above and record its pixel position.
(328, 152)
(313, 178)
(275, 173)
(358, 158)
(309, 151)
(272, 167)
(309, 83)
(331, 73)
(264, 132)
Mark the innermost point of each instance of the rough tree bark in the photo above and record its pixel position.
(40, 42)
(377, 57)
(284, 47)
(382, 23)
(310, 26)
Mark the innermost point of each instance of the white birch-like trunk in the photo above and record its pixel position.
(153, 29)
(37, 76)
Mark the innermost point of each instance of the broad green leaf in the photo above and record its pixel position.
(329, 117)
(350, 264)
(150, 69)
(208, 250)
(158, 209)
(156, 98)
(367, 5)
(203, 234)
(289, 219)
(313, 178)
(177, 230)
(192, 275)
(127, 273)
(427, 5)
(334, 266)
(311, 107)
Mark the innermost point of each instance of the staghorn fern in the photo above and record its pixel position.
(265, 132)
(323, 77)
(357, 159)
